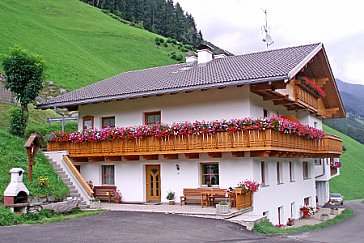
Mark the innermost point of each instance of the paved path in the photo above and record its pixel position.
(352, 230)
(157, 227)
(134, 227)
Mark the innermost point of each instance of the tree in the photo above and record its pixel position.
(24, 77)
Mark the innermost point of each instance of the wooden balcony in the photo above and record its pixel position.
(267, 143)
(306, 98)
(293, 95)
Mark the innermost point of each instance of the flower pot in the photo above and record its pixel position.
(117, 200)
(171, 202)
(290, 223)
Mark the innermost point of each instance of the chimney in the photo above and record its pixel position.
(191, 57)
(204, 56)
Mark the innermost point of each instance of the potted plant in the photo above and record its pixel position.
(290, 221)
(117, 196)
(307, 211)
(223, 207)
(95, 203)
(247, 186)
(170, 197)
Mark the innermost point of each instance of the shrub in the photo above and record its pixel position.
(165, 44)
(179, 57)
(9, 218)
(16, 121)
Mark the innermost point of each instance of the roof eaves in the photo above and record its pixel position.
(158, 92)
(304, 61)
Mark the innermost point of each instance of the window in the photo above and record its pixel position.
(306, 201)
(262, 173)
(291, 171)
(318, 162)
(152, 117)
(280, 215)
(265, 113)
(108, 175)
(87, 122)
(293, 209)
(279, 173)
(108, 122)
(305, 169)
(209, 174)
(315, 124)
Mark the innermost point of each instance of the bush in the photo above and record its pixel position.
(16, 121)
(171, 40)
(179, 58)
(159, 41)
(9, 218)
(165, 44)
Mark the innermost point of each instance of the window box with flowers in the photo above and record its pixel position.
(244, 193)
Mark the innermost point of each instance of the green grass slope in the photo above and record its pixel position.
(13, 154)
(350, 183)
(79, 43)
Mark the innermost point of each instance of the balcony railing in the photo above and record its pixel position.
(306, 97)
(272, 142)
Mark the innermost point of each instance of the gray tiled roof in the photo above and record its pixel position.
(248, 68)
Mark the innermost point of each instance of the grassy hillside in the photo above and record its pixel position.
(79, 43)
(350, 183)
(13, 154)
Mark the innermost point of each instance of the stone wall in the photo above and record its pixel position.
(5, 95)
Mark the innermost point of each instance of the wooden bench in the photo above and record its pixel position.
(204, 196)
(104, 193)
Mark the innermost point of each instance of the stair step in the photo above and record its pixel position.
(71, 187)
(73, 191)
(75, 195)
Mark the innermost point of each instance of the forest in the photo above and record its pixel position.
(158, 16)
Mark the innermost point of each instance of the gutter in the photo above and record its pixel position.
(158, 92)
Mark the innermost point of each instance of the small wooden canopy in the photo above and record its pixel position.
(32, 146)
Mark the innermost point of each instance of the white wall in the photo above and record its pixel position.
(272, 196)
(199, 105)
(130, 175)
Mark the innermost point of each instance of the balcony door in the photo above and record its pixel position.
(153, 183)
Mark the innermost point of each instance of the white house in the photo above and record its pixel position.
(295, 83)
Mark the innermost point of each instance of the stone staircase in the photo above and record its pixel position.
(73, 192)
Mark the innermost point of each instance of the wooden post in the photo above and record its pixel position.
(32, 146)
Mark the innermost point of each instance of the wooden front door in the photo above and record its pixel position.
(153, 183)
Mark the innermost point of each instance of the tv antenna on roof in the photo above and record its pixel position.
(267, 37)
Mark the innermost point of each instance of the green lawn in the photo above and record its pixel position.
(266, 227)
(350, 183)
(79, 43)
